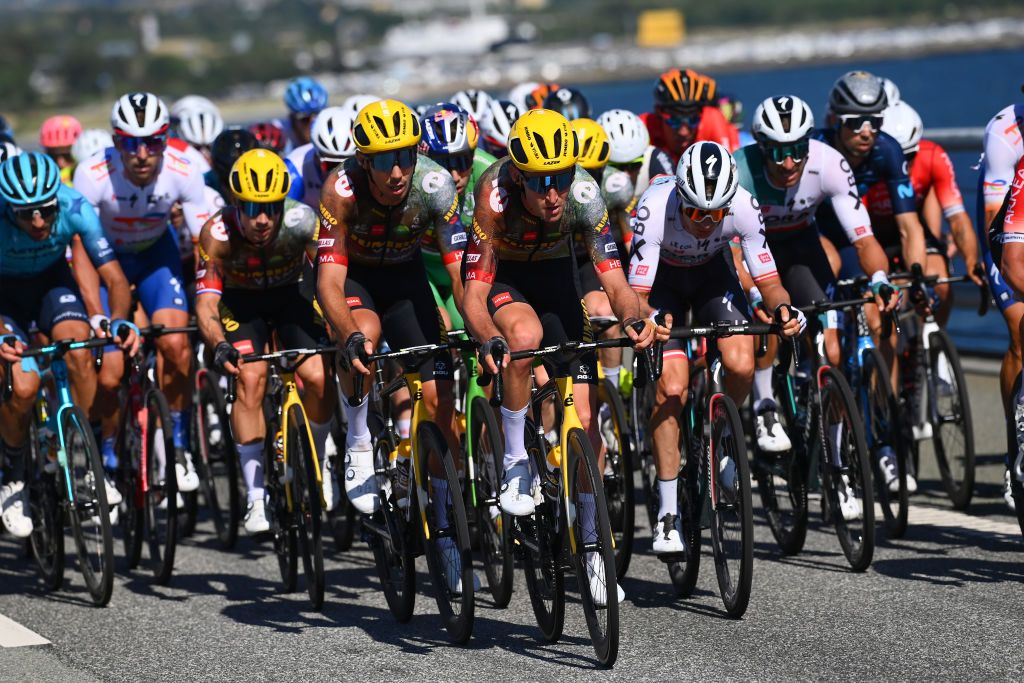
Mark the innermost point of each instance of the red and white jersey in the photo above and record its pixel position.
(1004, 147)
(134, 217)
(1013, 224)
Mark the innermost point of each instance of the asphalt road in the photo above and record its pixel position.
(943, 602)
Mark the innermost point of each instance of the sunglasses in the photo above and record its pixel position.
(455, 162)
(153, 143)
(676, 120)
(540, 184)
(797, 151)
(703, 215)
(385, 161)
(254, 209)
(856, 122)
(27, 213)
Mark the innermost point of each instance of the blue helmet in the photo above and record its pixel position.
(305, 96)
(447, 129)
(29, 178)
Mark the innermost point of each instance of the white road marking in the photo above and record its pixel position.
(923, 515)
(13, 634)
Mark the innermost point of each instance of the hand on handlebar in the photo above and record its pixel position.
(493, 350)
(11, 349)
(127, 336)
(792, 319)
(227, 358)
(355, 353)
(663, 327)
(641, 332)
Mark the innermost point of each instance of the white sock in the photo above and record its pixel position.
(762, 387)
(161, 455)
(320, 433)
(668, 496)
(612, 375)
(250, 456)
(403, 428)
(513, 423)
(588, 519)
(440, 500)
(358, 432)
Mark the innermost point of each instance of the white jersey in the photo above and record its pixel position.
(134, 217)
(1003, 148)
(659, 236)
(304, 163)
(787, 212)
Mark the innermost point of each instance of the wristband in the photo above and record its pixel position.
(96, 321)
(118, 323)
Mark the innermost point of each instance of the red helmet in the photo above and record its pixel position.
(269, 135)
(59, 131)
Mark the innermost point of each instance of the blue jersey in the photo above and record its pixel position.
(885, 163)
(22, 256)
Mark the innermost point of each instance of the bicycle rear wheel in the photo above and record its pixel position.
(845, 466)
(593, 557)
(883, 428)
(732, 522)
(342, 520)
(161, 498)
(47, 540)
(216, 460)
(493, 524)
(618, 474)
(640, 404)
(306, 508)
(90, 516)
(449, 557)
(684, 572)
(393, 554)
(950, 415)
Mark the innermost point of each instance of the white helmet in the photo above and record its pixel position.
(627, 135)
(519, 93)
(200, 127)
(706, 176)
(473, 101)
(190, 103)
(8, 150)
(90, 142)
(784, 118)
(903, 123)
(892, 91)
(496, 123)
(354, 104)
(331, 134)
(138, 114)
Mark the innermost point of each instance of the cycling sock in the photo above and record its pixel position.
(762, 387)
(320, 434)
(180, 429)
(109, 456)
(358, 432)
(513, 423)
(835, 437)
(588, 520)
(403, 428)
(440, 501)
(668, 497)
(611, 373)
(14, 462)
(160, 453)
(250, 456)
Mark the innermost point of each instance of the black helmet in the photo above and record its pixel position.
(857, 92)
(569, 102)
(230, 144)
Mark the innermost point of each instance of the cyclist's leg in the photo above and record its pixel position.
(15, 415)
(936, 263)
(62, 316)
(598, 305)
(717, 298)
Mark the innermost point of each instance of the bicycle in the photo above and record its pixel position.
(714, 482)
(829, 451)
(66, 480)
(553, 538)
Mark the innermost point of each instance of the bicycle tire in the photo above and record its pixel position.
(456, 607)
(161, 500)
(216, 460)
(47, 539)
(494, 531)
(618, 478)
(90, 515)
(584, 478)
(731, 507)
(683, 573)
(542, 566)
(342, 519)
(959, 488)
(640, 411)
(306, 508)
(856, 537)
(393, 556)
(883, 426)
(131, 518)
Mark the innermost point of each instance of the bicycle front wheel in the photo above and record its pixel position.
(885, 435)
(161, 496)
(950, 415)
(90, 516)
(216, 459)
(593, 556)
(494, 525)
(392, 553)
(618, 473)
(448, 547)
(732, 522)
(306, 508)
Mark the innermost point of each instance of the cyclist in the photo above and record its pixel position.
(91, 141)
(8, 150)
(270, 135)
(56, 136)
(519, 94)
(224, 152)
(199, 128)
(631, 149)
(39, 216)
(1003, 150)
(683, 227)
(568, 102)
(684, 114)
(331, 145)
(134, 186)
(373, 212)
(732, 110)
(305, 98)
(252, 255)
(495, 125)
(934, 180)
(519, 266)
(473, 102)
(791, 175)
(535, 98)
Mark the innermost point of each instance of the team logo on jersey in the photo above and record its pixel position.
(616, 182)
(584, 191)
(764, 257)
(432, 181)
(499, 200)
(294, 215)
(503, 298)
(219, 232)
(343, 186)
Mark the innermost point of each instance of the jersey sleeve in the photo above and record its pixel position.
(591, 221)
(1013, 224)
(297, 188)
(446, 220)
(331, 247)
(194, 204)
(86, 224)
(209, 268)
(840, 187)
(1000, 160)
(944, 182)
(897, 175)
(90, 176)
(748, 224)
(648, 226)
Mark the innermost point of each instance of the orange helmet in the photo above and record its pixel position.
(535, 100)
(683, 89)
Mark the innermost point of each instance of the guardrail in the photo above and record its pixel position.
(957, 139)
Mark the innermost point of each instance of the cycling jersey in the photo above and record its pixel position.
(227, 260)
(660, 237)
(376, 234)
(713, 127)
(791, 211)
(307, 176)
(134, 218)
(22, 256)
(1013, 223)
(620, 199)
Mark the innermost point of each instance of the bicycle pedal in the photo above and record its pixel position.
(672, 558)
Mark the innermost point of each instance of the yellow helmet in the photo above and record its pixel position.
(259, 175)
(385, 125)
(541, 140)
(594, 147)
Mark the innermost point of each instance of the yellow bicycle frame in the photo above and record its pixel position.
(291, 398)
(570, 420)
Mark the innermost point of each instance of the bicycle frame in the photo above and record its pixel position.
(284, 397)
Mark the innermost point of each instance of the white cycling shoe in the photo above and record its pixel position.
(452, 566)
(890, 469)
(668, 535)
(255, 520)
(516, 498)
(771, 437)
(14, 503)
(1008, 492)
(188, 480)
(360, 482)
(598, 585)
(849, 505)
